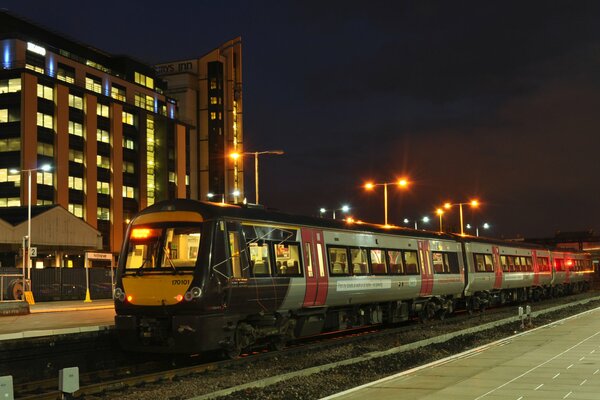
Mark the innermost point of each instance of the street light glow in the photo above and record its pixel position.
(474, 203)
(403, 182)
(369, 185)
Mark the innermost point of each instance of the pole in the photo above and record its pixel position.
(29, 228)
(333, 213)
(416, 227)
(477, 231)
(462, 232)
(441, 230)
(256, 176)
(385, 203)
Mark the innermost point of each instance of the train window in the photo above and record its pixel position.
(234, 251)
(287, 259)
(528, 263)
(160, 247)
(489, 263)
(259, 232)
(504, 263)
(543, 263)
(259, 258)
(338, 261)
(445, 263)
(511, 263)
(479, 263)
(411, 261)
(396, 262)
(360, 264)
(309, 267)
(378, 265)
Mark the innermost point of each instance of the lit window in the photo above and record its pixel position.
(45, 149)
(65, 74)
(213, 100)
(127, 118)
(94, 84)
(103, 213)
(144, 80)
(118, 93)
(75, 128)
(102, 162)
(45, 178)
(10, 85)
(10, 202)
(45, 92)
(35, 68)
(172, 176)
(213, 115)
(102, 136)
(76, 156)
(75, 183)
(102, 110)
(45, 120)
(3, 115)
(76, 209)
(128, 144)
(75, 102)
(103, 187)
(128, 167)
(128, 192)
(6, 176)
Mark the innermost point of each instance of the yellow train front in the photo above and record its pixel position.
(166, 299)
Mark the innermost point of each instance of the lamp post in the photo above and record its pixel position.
(425, 220)
(235, 156)
(472, 203)
(440, 212)
(345, 208)
(27, 248)
(484, 226)
(402, 183)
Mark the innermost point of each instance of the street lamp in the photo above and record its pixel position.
(440, 212)
(425, 220)
(402, 183)
(211, 195)
(27, 249)
(235, 156)
(345, 208)
(484, 226)
(472, 203)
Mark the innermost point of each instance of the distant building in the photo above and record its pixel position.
(103, 122)
(208, 91)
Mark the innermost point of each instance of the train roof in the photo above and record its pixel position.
(210, 210)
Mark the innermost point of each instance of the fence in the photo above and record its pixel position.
(55, 284)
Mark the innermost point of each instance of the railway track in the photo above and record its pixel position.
(358, 348)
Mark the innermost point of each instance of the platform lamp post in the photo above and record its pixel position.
(402, 183)
(472, 203)
(235, 156)
(440, 213)
(345, 208)
(27, 249)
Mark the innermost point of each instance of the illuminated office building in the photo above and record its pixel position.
(103, 122)
(208, 91)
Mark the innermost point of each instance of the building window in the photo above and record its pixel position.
(103, 213)
(103, 187)
(213, 115)
(75, 128)
(93, 83)
(128, 167)
(128, 144)
(10, 85)
(10, 144)
(45, 178)
(45, 149)
(75, 183)
(76, 156)
(76, 210)
(172, 177)
(144, 80)
(128, 192)
(10, 202)
(102, 162)
(128, 118)
(102, 136)
(213, 100)
(143, 101)
(65, 73)
(75, 102)
(3, 115)
(102, 110)
(150, 182)
(45, 120)
(35, 68)
(6, 176)
(45, 92)
(118, 93)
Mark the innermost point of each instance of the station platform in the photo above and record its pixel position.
(556, 361)
(56, 318)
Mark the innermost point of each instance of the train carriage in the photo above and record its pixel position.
(196, 276)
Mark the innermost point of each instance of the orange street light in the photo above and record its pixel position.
(473, 203)
(402, 183)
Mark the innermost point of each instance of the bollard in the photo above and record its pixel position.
(521, 316)
(68, 381)
(528, 312)
(6, 388)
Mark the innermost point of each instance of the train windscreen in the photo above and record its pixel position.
(163, 248)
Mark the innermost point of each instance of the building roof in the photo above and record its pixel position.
(18, 215)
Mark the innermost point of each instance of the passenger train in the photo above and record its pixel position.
(198, 276)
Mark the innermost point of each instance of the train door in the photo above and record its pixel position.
(497, 267)
(426, 273)
(314, 268)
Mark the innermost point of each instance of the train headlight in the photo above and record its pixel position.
(194, 293)
(119, 294)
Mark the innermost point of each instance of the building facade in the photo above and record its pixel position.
(103, 123)
(208, 91)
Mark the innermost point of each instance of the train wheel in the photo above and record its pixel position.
(15, 290)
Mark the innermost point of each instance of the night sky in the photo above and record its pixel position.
(495, 100)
